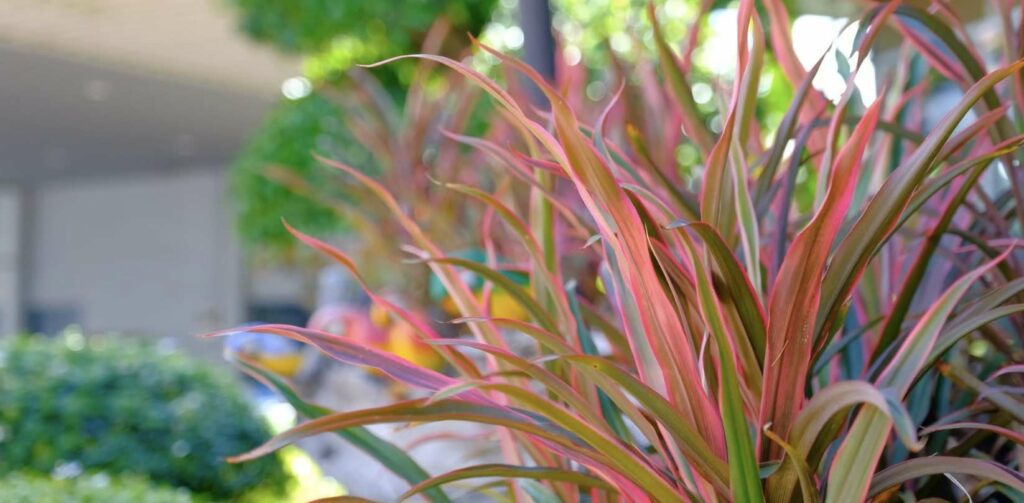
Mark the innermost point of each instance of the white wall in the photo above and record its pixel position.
(152, 255)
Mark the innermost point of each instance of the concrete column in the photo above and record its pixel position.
(10, 259)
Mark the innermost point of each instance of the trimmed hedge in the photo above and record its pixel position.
(123, 406)
(21, 487)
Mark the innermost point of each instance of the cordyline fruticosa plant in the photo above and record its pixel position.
(860, 346)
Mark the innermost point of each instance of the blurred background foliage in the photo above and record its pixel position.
(292, 131)
(337, 35)
(73, 405)
(601, 41)
(27, 487)
(332, 37)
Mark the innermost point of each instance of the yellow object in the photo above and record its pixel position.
(379, 315)
(503, 305)
(402, 341)
(448, 305)
(283, 365)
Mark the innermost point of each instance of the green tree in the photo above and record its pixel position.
(332, 36)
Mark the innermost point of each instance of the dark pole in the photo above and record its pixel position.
(539, 52)
(538, 42)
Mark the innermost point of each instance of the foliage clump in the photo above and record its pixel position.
(362, 31)
(121, 406)
(282, 146)
(333, 37)
(830, 312)
(24, 487)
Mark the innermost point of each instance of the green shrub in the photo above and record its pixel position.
(293, 130)
(123, 406)
(21, 487)
(334, 36)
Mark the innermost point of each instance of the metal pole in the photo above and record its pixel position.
(538, 42)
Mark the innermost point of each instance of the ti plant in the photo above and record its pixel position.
(830, 312)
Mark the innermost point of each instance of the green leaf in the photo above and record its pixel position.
(745, 483)
(693, 123)
(804, 474)
(541, 473)
(880, 217)
(994, 395)
(849, 475)
(816, 427)
(734, 284)
(690, 442)
(611, 413)
(389, 455)
(935, 465)
(1016, 437)
(797, 292)
(538, 492)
